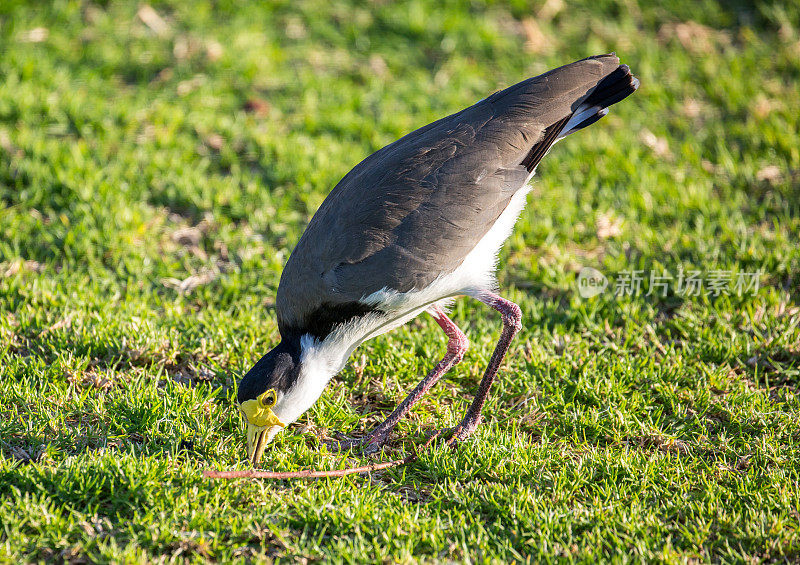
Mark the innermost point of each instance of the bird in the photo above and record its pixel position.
(411, 227)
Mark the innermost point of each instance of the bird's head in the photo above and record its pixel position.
(267, 397)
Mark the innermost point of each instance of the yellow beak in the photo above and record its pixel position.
(262, 425)
(256, 442)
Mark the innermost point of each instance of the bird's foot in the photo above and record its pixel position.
(369, 444)
(450, 436)
(463, 430)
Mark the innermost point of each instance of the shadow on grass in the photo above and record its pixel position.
(114, 486)
(28, 449)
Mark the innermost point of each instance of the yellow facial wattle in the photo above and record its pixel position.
(258, 414)
(260, 420)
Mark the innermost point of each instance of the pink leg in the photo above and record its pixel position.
(457, 344)
(512, 323)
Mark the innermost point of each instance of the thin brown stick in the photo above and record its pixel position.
(317, 474)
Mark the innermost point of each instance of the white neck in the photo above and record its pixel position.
(320, 361)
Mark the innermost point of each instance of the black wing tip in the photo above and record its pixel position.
(625, 70)
(616, 86)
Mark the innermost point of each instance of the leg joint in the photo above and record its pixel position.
(512, 316)
(511, 313)
(457, 346)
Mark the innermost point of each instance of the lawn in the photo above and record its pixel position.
(159, 162)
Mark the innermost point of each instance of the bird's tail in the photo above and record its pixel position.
(613, 88)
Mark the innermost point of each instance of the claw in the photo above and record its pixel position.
(369, 444)
(461, 432)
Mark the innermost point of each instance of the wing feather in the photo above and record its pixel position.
(413, 210)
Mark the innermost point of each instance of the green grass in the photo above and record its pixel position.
(643, 428)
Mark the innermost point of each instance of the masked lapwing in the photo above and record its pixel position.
(412, 226)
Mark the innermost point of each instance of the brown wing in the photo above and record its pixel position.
(413, 210)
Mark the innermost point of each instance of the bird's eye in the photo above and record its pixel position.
(269, 399)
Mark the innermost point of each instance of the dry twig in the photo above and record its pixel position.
(318, 474)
